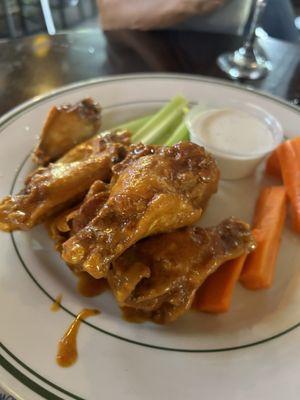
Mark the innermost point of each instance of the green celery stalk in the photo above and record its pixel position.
(134, 125)
(180, 134)
(166, 134)
(162, 130)
(161, 122)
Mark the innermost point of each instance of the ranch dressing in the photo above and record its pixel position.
(233, 131)
(238, 138)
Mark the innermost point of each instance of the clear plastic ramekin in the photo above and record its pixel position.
(236, 165)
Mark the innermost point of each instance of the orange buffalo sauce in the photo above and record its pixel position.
(56, 304)
(67, 347)
(89, 287)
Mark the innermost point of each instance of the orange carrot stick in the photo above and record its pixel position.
(269, 217)
(273, 165)
(215, 295)
(289, 158)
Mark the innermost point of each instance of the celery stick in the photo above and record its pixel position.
(134, 125)
(161, 121)
(185, 136)
(168, 132)
(180, 134)
(162, 130)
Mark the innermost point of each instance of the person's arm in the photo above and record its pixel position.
(151, 14)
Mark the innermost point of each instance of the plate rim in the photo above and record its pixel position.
(17, 111)
(6, 117)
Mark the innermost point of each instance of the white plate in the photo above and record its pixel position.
(253, 351)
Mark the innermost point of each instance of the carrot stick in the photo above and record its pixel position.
(269, 217)
(273, 165)
(289, 158)
(215, 295)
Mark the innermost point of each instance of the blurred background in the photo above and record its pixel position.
(27, 17)
(46, 44)
(20, 18)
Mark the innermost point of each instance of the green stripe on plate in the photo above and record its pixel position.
(35, 387)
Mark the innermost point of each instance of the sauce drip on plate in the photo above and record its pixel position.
(67, 347)
(89, 287)
(56, 304)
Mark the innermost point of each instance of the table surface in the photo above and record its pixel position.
(34, 65)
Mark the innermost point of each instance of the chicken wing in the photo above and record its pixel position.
(159, 276)
(58, 186)
(156, 189)
(65, 127)
(62, 226)
(96, 145)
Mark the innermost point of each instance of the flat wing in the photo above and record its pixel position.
(52, 189)
(65, 127)
(160, 275)
(158, 192)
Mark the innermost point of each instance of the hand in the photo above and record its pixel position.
(199, 7)
(151, 14)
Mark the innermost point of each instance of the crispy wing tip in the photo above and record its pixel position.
(11, 215)
(65, 127)
(234, 233)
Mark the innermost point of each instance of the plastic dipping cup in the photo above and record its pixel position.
(238, 138)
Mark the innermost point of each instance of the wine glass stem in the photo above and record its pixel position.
(259, 6)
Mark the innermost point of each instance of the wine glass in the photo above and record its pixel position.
(249, 61)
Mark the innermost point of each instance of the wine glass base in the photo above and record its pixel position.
(240, 65)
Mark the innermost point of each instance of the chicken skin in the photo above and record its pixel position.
(52, 189)
(155, 189)
(62, 226)
(158, 277)
(97, 144)
(65, 127)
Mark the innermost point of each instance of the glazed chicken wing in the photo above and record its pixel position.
(156, 189)
(52, 189)
(65, 127)
(159, 276)
(97, 144)
(62, 226)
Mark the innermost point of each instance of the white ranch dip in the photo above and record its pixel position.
(233, 131)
